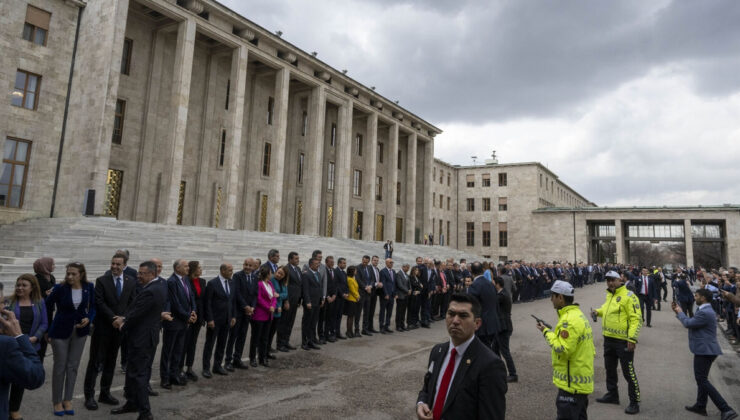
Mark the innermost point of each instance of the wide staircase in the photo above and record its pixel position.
(93, 240)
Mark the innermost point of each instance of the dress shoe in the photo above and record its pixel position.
(649, 326)
(349, 335)
(90, 404)
(126, 408)
(341, 337)
(107, 398)
(152, 393)
(269, 356)
(265, 363)
(366, 332)
(207, 374)
(374, 331)
(69, 412)
(191, 375)
(383, 332)
(177, 380)
(313, 346)
(147, 416)
(253, 363)
(425, 326)
(388, 330)
(608, 399)
(512, 378)
(332, 339)
(283, 349)
(166, 385)
(633, 408)
(229, 367)
(729, 415)
(240, 365)
(305, 347)
(322, 341)
(698, 410)
(290, 347)
(219, 370)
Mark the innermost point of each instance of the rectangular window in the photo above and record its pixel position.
(379, 188)
(471, 204)
(118, 119)
(301, 161)
(470, 180)
(27, 86)
(270, 109)
(441, 201)
(503, 235)
(503, 204)
(441, 177)
(448, 179)
(448, 203)
(304, 124)
(399, 159)
(16, 155)
(398, 193)
(128, 46)
(486, 204)
(502, 181)
(222, 149)
(357, 183)
(380, 152)
(266, 159)
(333, 140)
(434, 198)
(470, 234)
(36, 27)
(358, 144)
(486, 233)
(228, 91)
(486, 180)
(330, 177)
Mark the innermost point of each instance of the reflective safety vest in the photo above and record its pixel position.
(573, 351)
(622, 318)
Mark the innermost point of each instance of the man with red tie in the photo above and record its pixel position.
(646, 292)
(464, 379)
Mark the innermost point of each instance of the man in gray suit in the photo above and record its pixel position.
(703, 343)
(403, 290)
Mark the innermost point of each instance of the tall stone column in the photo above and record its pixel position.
(204, 208)
(428, 181)
(282, 89)
(390, 194)
(178, 122)
(344, 174)
(236, 123)
(317, 111)
(619, 233)
(689, 242)
(368, 223)
(410, 221)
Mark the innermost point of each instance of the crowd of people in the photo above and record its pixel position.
(128, 309)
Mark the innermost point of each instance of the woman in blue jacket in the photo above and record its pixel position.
(75, 310)
(280, 285)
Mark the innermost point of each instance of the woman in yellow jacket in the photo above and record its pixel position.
(350, 304)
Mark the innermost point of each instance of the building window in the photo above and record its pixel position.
(304, 124)
(266, 159)
(333, 140)
(36, 27)
(357, 183)
(441, 201)
(540, 180)
(118, 121)
(503, 235)
(503, 204)
(434, 172)
(441, 177)
(398, 193)
(270, 109)
(486, 180)
(379, 188)
(502, 181)
(471, 204)
(470, 180)
(399, 159)
(228, 91)
(128, 47)
(486, 231)
(470, 234)
(547, 184)
(486, 204)
(330, 177)
(358, 144)
(434, 198)
(380, 152)
(27, 86)
(14, 170)
(222, 149)
(448, 203)
(448, 179)
(301, 161)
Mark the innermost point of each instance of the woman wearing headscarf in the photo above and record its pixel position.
(43, 267)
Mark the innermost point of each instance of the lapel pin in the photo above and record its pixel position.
(467, 361)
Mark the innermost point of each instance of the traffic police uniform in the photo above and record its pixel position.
(573, 352)
(622, 321)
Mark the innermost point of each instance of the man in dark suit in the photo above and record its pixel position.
(703, 343)
(505, 327)
(245, 299)
(426, 277)
(330, 304)
(647, 293)
(114, 292)
(311, 283)
(364, 284)
(20, 364)
(485, 293)
(464, 379)
(373, 296)
(295, 291)
(130, 272)
(141, 323)
(181, 304)
(387, 297)
(682, 293)
(219, 313)
(342, 294)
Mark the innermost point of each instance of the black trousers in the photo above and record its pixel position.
(515, 292)
(505, 352)
(369, 311)
(321, 332)
(615, 351)
(571, 406)
(260, 336)
(16, 397)
(426, 308)
(445, 303)
(436, 304)
(191, 341)
(274, 324)
(103, 355)
(329, 320)
(308, 324)
(646, 308)
(173, 349)
(217, 335)
(138, 372)
(338, 312)
(687, 308)
(664, 286)
(237, 338)
(401, 307)
(386, 308)
(285, 327)
(702, 365)
(412, 312)
(362, 308)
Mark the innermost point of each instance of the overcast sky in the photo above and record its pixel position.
(629, 102)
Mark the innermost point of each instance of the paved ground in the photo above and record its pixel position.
(379, 377)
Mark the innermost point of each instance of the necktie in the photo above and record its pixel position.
(226, 287)
(439, 401)
(644, 285)
(119, 287)
(391, 271)
(187, 292)
(316, 275)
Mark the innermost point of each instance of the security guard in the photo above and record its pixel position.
(621, 327)
(573, 353)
